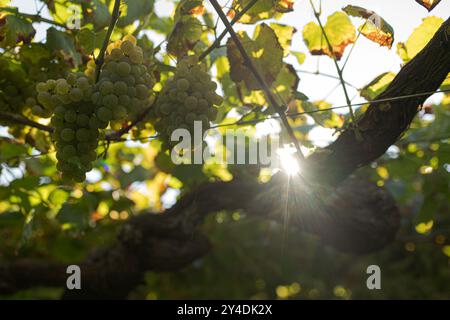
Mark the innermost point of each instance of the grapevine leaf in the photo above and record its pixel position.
(262, 10)
(428, 4)
(377, 86)
(339, 30)
(284, 34)
(63, 44)
(187, 29)
(375, 28)
(89, 40)
(419, 38)
(97, 13)
(265, 51)
(15, 29)
(132, 10)
(324, 118)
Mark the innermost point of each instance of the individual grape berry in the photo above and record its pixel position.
(67, 135)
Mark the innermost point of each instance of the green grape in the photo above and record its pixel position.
(83, 83)
(110, 101)
(83, 147)
(119, 112)
(141, 92)
(123, 69)
(76, 94)
(67, 135)
(83, 135)
(127, 47)
(124, 100)
(69, 151)
(106, 87)
(41, 87)
(116, 54)
(70, 116)
(191, 103)
(37, 110)
(121, 88)
(72, 79)
(62, 87)
(104, 114)
(83, 120)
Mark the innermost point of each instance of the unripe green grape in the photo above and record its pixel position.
(123, 69)
(116, 54)
(51, 84)
(72, 79)
(130, 81)
(119, 112)
(83, 83)
(69, 151)
(183, 84)
(124, 100)
(190, 118)
(136, 57)
(37, 110)
(132, 92)
(83, 120)
(104, 114)
(70, 116)
(83, 147)
(127, 47)
(191, 102)
(57, 122)
(83, 135)
(67, 134)
(41, 87)
(44, 98)
(106, 87)
(120, 88)
(62, 87)
(142, 92)
(96, 97)
(76, 94)
(110, 101)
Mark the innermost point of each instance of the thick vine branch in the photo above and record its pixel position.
(249, 62)
(19, 119)
(101, 57)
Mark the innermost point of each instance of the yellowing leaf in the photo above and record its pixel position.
(419, 38)
(265, 51)
(424, 227)
(428, 4)
(261, 10)
(14, 29)
(339, 30)
(375, 28)
(377, 86)
(284, 34)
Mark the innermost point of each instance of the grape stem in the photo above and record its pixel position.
(101, 56)
(117, 135)
(16, 118)
(270, 96)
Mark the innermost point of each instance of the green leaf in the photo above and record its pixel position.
(428, 4)
(97, 13)
(339, 30)
(419, 38)
(266, 53)
(186, 33)
(15, 29)
(58, 197)
(133, 10)
(34, 53)
(89, 40)
(64, 44)
(262, 10)
(375, 28)
(377, 86)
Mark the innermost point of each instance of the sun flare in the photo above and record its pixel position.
(288, 162)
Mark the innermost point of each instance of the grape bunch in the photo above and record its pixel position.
(189, 96)
(14, 88)
(75, 89)
(76, 135)
(123, 90)
(75, 125)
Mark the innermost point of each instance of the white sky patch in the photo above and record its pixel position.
(93, 176)
(169, 198)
